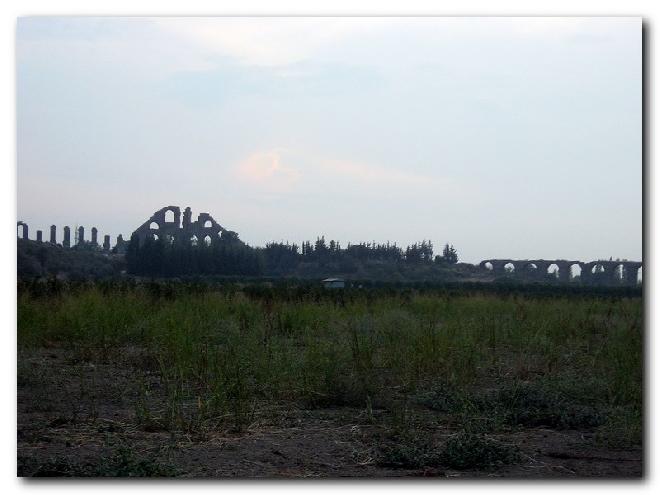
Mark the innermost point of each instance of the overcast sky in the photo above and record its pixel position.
(508, 137)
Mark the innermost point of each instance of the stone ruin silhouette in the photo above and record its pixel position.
(119, 247)
(169, 224)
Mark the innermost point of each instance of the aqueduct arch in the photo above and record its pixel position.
(566, 271)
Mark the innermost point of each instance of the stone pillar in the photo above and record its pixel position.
(498, 267)
(608, 274)
(519, 268)
(187, 215)
(81, 234)
(53, 234)
(542, 269)
(106, 243)
(39, 236)
(630, 273)
(120, 247)
(94, 235)
(564, 274)
(24, 229)
(66, 242)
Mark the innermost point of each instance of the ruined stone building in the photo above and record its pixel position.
(170, 225)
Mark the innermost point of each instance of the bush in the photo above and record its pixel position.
(535, 404)
(123, 463)
(470, 451)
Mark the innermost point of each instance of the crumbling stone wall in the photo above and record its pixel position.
(180, 228)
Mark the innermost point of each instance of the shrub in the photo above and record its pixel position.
(470, 451)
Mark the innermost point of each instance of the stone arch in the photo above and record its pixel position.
(530, 268)
(169, 216)
(509, 268)
(208, 224)
(155, 237)
(154, 225)
(553, 270)
(575, 271)
(487, 265)
(207, 240)
(194, 241)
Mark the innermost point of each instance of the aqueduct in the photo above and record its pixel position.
(592, 272)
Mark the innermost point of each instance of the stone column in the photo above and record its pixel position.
(81, 234)
(106, 243)
(542, 269)
(630, 273)
(498, 267)
(94, 235)
(608, 273)
(187, 216)
(66, 242)
(585, 272)
(24, 229)
(53, 234)
(39, 236)
(519, 268)
(120, 244)
(564, 274)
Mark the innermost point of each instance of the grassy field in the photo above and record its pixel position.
(186, 381)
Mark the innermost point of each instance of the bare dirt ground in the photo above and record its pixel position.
(73, 418)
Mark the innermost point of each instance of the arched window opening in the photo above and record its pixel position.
(208, 224)
(575, 270)
(169, 216)
(207, 240)
(194, 241)
(154, 226)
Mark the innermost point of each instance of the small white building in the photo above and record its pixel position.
(333, 283)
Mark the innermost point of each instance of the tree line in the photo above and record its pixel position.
(230, 256)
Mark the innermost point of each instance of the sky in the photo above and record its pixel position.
(506, 137)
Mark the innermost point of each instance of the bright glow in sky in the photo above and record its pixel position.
(508, 137)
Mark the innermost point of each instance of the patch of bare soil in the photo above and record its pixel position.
(79, 419)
